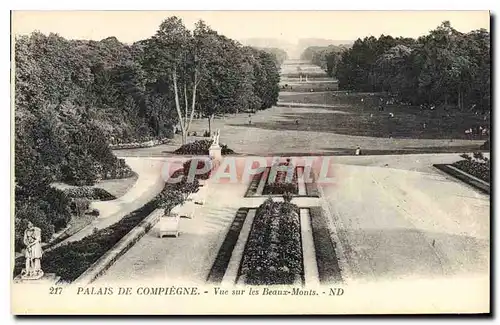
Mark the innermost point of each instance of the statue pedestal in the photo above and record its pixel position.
(48, 278)
(215, 152)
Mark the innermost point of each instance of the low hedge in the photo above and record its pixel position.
(91, 193)
(136, 145)
(273, 252)
(71, 260)
(201, 147)
(200, 165)
(477, 168)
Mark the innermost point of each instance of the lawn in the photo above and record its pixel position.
(117, 187)
(351, 116)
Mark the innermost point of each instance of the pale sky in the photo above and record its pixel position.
(130, 26)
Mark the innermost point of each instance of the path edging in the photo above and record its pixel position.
(464, 177)
(104, 262)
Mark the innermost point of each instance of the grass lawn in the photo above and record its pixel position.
(75, 225)
(350, 116)
(117, 187)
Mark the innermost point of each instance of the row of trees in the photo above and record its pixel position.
(444, 67)
(74, 97)
(326, 57)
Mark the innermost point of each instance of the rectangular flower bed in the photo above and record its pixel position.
(273, 252)
(282, 183)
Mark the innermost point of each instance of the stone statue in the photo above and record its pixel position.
(215, 142)
(33, 241)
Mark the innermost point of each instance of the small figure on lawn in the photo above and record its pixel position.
(358, 151)
(296, 122)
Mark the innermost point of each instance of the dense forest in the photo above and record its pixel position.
(75, 97)
(445, 67)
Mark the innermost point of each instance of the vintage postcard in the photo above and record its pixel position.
(258, 162)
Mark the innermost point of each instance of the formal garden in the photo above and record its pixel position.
(279, 234)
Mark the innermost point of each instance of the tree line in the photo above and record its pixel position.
(75, 97)
(444, 67)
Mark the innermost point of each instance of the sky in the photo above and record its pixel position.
(289, 26)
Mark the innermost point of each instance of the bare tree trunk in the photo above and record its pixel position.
(209, 126)
(193, 100)
(178, 107)
(185, 106)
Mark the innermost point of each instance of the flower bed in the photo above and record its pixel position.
(201, 147)
(71, 260)
(479, 166)
(281, 185)
(273, 252)
(88, 192)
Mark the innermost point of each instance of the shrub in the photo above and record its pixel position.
(88, 192)
(201, 147)
(80, 206)
(287, 197)
(93, 212)
(200, 165)
(49, 210)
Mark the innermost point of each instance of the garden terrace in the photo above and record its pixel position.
(258, 238)
(69, 261)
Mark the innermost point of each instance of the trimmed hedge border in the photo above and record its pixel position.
(221, 262)
(111, 256)
(328, 266)
(312, 187)
(254, 184)
(73, 259)
(137, 145)
(464, 177)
